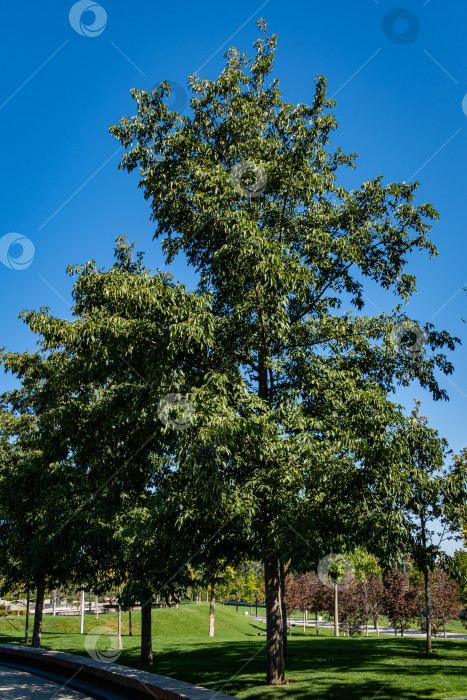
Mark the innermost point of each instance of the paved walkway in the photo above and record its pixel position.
(20, 685)
(298, 622)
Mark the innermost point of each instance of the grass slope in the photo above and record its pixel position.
(234, 660)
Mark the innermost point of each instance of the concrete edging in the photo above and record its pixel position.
(121, 677)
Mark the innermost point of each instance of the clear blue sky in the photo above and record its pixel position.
(399, 77)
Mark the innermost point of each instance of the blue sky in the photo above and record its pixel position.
(399, 76)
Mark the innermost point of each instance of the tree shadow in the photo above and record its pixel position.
(318, 667)
(324, 668)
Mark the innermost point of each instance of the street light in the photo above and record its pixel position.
(82, 610)
(26, 631)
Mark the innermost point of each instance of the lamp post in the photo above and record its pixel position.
(26, 632)
(82, 610)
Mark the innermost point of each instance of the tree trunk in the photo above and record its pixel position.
(444, 630)
(304, 621)
(119, 620)
(146, 633)
(236, 601)
(427, 586)
(26, 631)
(375, 620)
(54, 599)
(130, 628)
(96, 601)
(275, 649)
(427, 610)
(283, 608)
(316, 623)
(336, 611)
(212, 608)
(37, 629)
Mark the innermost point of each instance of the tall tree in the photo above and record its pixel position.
(113, 419)
(437, 493)
(246, 188)
(39, 482)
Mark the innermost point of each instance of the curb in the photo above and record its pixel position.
(141, 683)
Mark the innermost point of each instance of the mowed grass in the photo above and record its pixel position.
(234, 660)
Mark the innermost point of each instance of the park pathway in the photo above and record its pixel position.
(21, 685)
(298, 622)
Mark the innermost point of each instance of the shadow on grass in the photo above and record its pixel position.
(12, 638)
(323, 667)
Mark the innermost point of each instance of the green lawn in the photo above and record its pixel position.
(234, 660)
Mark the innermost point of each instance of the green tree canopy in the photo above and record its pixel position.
(246, 187)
